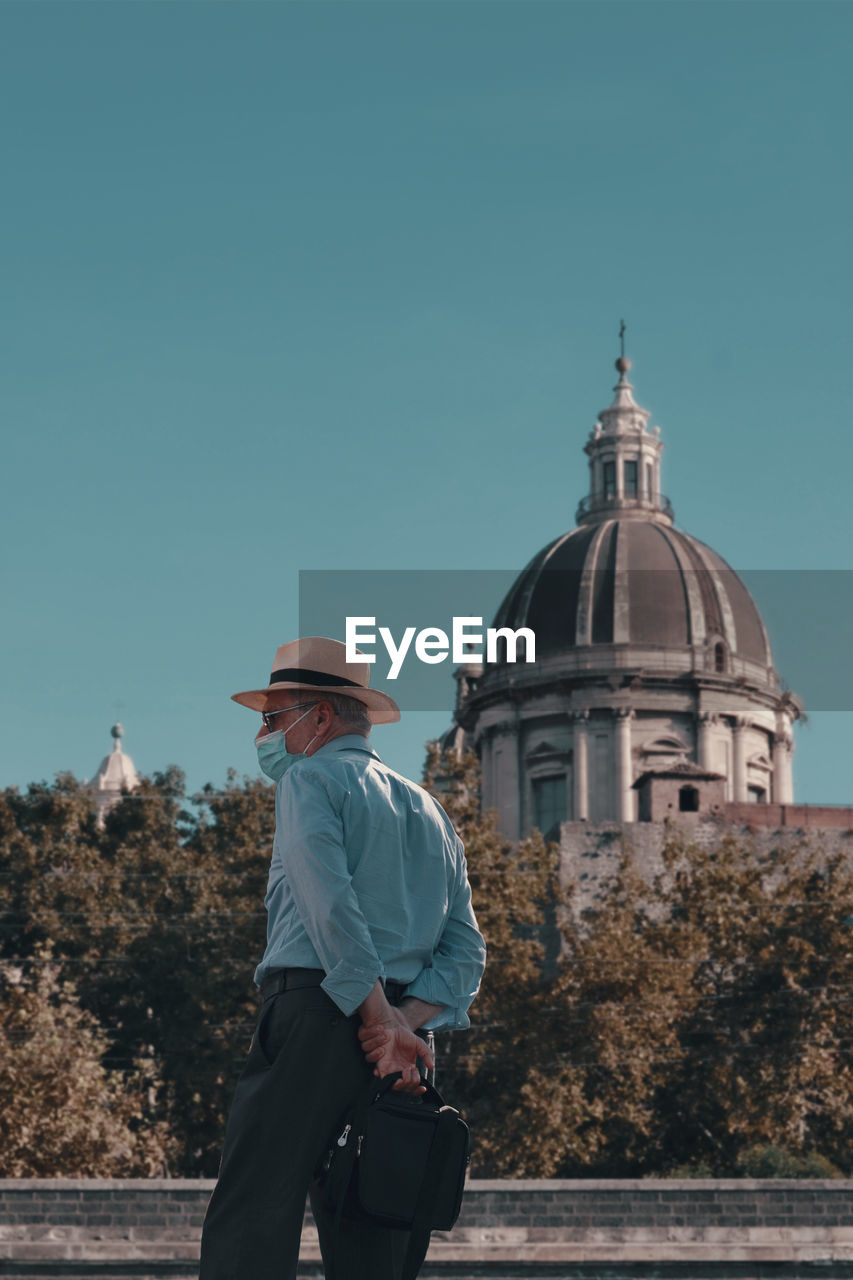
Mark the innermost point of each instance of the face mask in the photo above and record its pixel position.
(273, 755)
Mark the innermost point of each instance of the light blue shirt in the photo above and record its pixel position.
(368, 880)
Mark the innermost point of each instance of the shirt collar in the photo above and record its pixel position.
(348, 742)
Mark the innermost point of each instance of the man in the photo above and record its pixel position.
(370, 938)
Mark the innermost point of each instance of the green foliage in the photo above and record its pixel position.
(696, 1022)
(516, 893)
(700, 1169)
(159, 915)
(763, 942)
(774, 1162)
(692, 1017)
(61, 1111)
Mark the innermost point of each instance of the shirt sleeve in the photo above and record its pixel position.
(458, 962)
(315, 865)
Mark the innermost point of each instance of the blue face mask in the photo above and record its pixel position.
(273, 755)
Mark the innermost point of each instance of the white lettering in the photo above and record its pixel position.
(432, 650)
(396, 654)
(493, 634)
(432, 644)
(354, 639)
(463, 639)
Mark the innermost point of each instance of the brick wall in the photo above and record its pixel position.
(809, 817)
(83, 1229)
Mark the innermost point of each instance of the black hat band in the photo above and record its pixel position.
(305, 676)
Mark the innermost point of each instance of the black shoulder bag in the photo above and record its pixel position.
(400, 1160)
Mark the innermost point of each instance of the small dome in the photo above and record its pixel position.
(115, 776)
(638, 582)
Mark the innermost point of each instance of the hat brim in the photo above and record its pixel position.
(380, 708)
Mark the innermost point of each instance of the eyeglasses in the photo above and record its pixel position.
(267, 716)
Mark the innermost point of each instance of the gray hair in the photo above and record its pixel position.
(350, 711)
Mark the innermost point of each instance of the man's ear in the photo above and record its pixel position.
(325, 714)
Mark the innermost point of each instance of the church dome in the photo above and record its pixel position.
(637, 582)
(625, 586)
(628, 647)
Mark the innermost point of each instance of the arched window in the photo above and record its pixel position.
(610, 479)
(719, 656)
(688, 800)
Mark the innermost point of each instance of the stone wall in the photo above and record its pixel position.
(590, 852)
(82, 1229)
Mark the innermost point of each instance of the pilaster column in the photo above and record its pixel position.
(581, 766)
(707, 723)
(783, 788)
(501, 777)
(739, 791)
(624, 772)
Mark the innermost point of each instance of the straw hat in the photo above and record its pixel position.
(320, 665)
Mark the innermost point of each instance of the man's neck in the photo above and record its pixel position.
(340, 731)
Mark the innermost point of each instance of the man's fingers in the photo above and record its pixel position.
(373, 1042)
(372, 1037)
(410, 1083)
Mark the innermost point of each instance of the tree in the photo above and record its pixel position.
(160, 916)
(186, 918)
(764, 935)
(62, 1113)
(516, 894)
(701, 1018)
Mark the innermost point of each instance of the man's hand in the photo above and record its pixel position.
(390, 1044)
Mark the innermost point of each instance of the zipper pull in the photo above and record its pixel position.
(358, 1144)
(342, 1140)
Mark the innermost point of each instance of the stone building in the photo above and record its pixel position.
(115, 776)
(650, 655)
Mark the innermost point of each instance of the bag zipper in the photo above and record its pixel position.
(342, 1140)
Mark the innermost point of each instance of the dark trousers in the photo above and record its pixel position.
(305, 1066)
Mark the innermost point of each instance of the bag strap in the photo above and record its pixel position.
(387, 1083)
(421, 1226)
(346, 1163)
(439, 1150)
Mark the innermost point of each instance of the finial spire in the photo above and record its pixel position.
(623, 364)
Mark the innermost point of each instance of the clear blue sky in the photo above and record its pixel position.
(337, 285)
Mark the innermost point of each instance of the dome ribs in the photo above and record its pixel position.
(693, 588)
(603, 582)
(583, 630)
(546, 595)
(658, 601)
(715, 622)
(750, 637)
